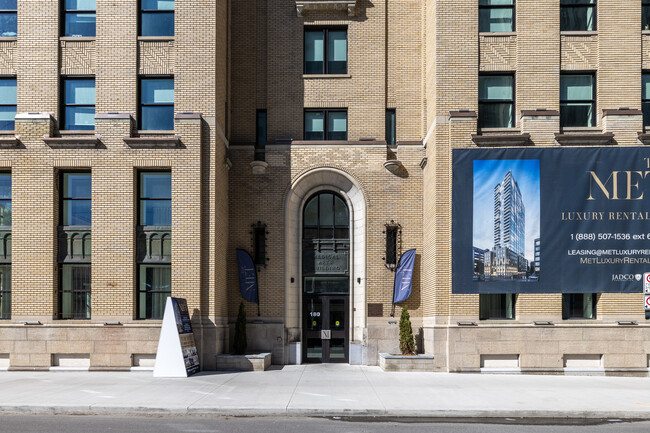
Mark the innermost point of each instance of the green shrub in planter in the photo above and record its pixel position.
(239, 347)
(406, 341)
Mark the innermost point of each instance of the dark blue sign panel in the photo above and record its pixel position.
(550, 220)
(404, 277)
(247, 276)
(184, 327)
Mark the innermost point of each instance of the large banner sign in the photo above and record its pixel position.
(549, 220)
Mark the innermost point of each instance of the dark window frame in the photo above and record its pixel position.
(75, 314)
(513, 101)
(592, 101)
(326, 112)
(140, 173)
(63, 199)
(566, 302)
(338, 231)
(5, 284)
(141, 78)
(391, 126)
(645, 14)
(63, 99)
(10, 12)
(594, 6)
(325, 31)
(504, 301)
(260, 141)
(142, 11)
(64, 14)
(14, 78)
(646, 112)
(513, 6)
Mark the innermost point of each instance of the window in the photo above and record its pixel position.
(496, 101)
(577, 100)
(76, 206)
(8, 18)
(496, 16)
(390, 126)
(79, 103)
(156, 17)
(645, 98)
(501, 306)
(5, 246)
(577, 15)
(326, 51)
(154, 264)
(326, 124)
(79, 18)
(156, 104)
(8, 103)
(260, 135)
(645, 15)
(579, 306)
(74, 246)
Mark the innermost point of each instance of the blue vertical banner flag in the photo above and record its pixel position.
(247, 276)
(404, 277)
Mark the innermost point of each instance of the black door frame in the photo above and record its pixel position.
(343, 332)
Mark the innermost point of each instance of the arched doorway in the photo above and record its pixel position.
(325, 278)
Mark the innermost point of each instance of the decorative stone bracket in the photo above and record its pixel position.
(325, 5)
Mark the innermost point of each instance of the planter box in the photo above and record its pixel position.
(389, 362)
(256, 362)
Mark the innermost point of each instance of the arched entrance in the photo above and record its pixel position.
(336, 183)
(325, 278)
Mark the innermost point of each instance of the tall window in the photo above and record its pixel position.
(78, 103)
(156, 104)
(8, 103)
(577, 100)
(496, 16)
(74, 246)
(579, 305)
(326, 51)
(645, 98)
(577, 15)
(390, 126)
(496, 101)
(500, 306)
(326, 124)
(8, 18)
(156, 17)
(260, 135)
(645, 14)
(5, 246)
(154, 239)
(79, 18)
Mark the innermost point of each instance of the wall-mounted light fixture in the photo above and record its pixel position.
(393, 232)
(258, 239)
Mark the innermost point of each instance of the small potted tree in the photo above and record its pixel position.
(407, 360)
(239, 360)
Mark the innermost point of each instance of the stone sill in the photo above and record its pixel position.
(497, 34)
(77, 38)
(70, 142)
(644, 138)
(494, 140)
(9, 141)
(320, 76)
(579, 33)
(156, 38)
(153, 142)
(584, 138)
(8, 38)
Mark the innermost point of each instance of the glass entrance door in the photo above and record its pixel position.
(325, 328)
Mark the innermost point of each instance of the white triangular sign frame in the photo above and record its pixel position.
(169, 357)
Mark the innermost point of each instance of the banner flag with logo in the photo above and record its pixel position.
(404, 277)
(247, 276)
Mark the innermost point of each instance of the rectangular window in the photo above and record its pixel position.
(500, 306)
(260, 135)
(76, 199)
(8, 103)
(645, 15)
(156, 17)
(155, 218)
(577, 15)
(5, 246)
(79, 18)
(577, 100)
(156, 104)
(390, 126)
(496, 16)
(155, 199)
(78, 104)
(8, 18)
(645, 98)
(579, 305)
(496, 101)
(74, 294)
(326, 124)
(326, 51)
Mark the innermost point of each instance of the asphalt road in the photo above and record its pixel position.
(91, 424)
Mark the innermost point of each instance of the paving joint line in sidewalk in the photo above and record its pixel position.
(230, 378)
(286, 409)
(363, 370)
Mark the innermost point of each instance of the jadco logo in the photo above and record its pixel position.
(626, 277)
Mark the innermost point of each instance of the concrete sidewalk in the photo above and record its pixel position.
(329, 390)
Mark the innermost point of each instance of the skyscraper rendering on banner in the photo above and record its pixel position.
(509, 229)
